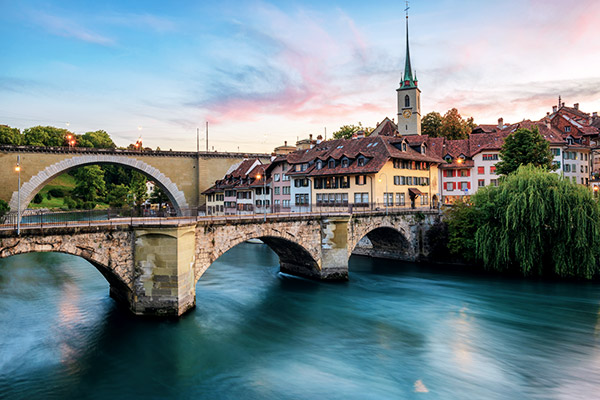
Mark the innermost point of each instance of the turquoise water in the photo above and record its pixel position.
(394, 331)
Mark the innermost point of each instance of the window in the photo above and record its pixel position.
(555, 152)
(449, 186)
(285, 177)
(276, 190)
(301, 199)
(285, 203)
(424, 199)
(464, 186)
(406, 101)
(465, 172)
(403, 146)
(286, 190)
(331, 163)
(574, 168)
(490, 157)
(276, 177)
(481, 170)
(361, 161)
(277, 202)
(388, 199)
(396, 180)
(304, 167)
(400, 199)
(481, 183)
(493, 169)
(449, 173)
(567, 129)
(319, 164)
(494, 182)
(344, 182)
(360, 179)
(345, 163)
(361, 198)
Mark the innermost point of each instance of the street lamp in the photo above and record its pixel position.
(385, 195)
(18, 170)
(264, 194)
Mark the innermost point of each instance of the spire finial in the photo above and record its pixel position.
(559, 101)
(408, 76)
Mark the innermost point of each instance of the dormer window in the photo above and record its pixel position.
(331, 163)
(345, 163)
(360, 161)
(319, 164)
(569, 140)
(403, 146)
(567, 129)
(448, 158)
(423, 148)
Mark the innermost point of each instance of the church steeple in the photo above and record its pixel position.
(409, 96)
(408, 80)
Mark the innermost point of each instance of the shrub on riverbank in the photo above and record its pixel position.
(536, 223)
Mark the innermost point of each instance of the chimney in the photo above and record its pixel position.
(360, 134)
(547, 113)
(563, 104)
(354, 136)
(576, 106)
(554, 109)
(310, 137)
(319, 139)
(595, 114)
(500, 123)
(285, 143)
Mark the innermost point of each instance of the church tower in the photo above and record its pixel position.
(409, 98)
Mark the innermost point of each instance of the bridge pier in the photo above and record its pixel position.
(163, 282)
(334, 248)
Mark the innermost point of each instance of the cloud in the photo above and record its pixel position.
(68, 28)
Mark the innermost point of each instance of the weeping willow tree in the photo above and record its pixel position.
(539, 224)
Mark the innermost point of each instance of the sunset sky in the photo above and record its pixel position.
(264, 72)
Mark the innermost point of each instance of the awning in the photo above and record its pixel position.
(414, 192)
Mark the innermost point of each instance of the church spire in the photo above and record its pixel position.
(408, 80)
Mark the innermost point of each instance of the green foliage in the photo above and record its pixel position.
(56, 192)
(463, 219)
(524, 147)
(90, 184)
(346, 131)
(454, 126)
(4, 208)
(97, 139)
(70, 203)
(117, 196)
(158, 197)
(138, 187)
(45, 136)
(535, 223)
(38, 198)
(431, 124)
(10, 135)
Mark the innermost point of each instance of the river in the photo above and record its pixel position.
(394, 331)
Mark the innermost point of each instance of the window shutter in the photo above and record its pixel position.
(468, 172)
(469, 185)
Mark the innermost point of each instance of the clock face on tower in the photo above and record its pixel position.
(406, 113)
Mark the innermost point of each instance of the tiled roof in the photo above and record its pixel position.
(385, 128)
(377, 150)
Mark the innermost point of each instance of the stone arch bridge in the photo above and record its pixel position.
(181, 175)
(154, 269)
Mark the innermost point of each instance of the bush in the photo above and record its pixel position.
(56, 192)
(37, 199)
(70, 203)
(4, 208)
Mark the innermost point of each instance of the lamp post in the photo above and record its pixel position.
(385, 195)
(264, 194)
(18, 170)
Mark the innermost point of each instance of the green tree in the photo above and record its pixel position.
(10, 135)
(158, 197)
(463, 219)
(98, 139)
(90, 186)
(117, 196)
(454, 126)
(45, 136)
(138, 187)
(346, 131)
(4, 208)
(431, 124)
(539, 224)
(524, 147)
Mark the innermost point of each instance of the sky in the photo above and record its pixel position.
(262, 72)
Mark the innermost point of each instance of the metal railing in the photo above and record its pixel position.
(40, 219)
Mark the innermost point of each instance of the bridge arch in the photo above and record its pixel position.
(294, 257)
(115, 265)
(30, 188)
(386, 241)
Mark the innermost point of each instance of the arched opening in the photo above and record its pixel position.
(384, 242)
(434, 202)
(406, 101)
(37, 182)
(294, 259)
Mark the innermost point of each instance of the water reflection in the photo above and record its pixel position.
(393, 331)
